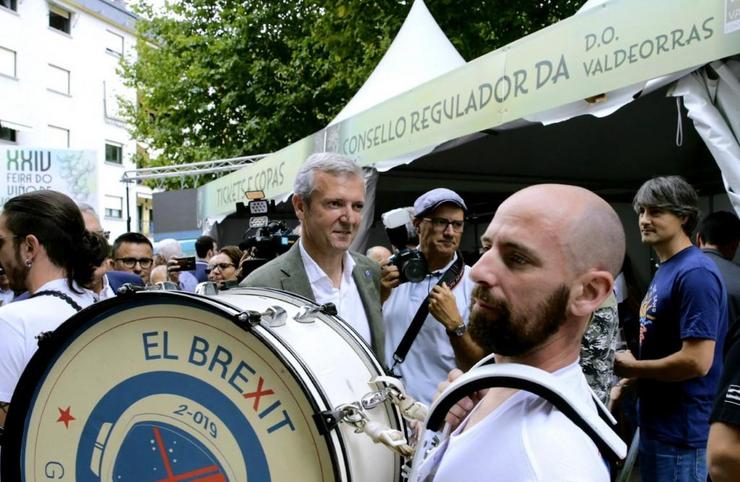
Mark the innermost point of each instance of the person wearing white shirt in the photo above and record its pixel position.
(46, 251)
(555, 251)
(329, 195)
(442, 342)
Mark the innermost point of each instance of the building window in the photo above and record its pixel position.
(113, 207)
(58, 137)
(8, 62)
(7, 134)
(113, 43)
(113, 152)
(58, 79)
(114, 90)
(9, 4)
(60, 19)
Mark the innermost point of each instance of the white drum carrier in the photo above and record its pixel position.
(247, 385)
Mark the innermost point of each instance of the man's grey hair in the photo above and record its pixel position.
(168, 248)
(329, 162)
(672, 193)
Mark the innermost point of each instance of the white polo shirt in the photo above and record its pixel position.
(346, 298)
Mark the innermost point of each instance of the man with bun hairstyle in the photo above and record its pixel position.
(46, 251)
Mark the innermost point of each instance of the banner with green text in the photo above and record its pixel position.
(616, 44)
(72, 172)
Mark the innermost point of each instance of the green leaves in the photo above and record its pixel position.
(223, 78)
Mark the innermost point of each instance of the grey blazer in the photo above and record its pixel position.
(286, 272)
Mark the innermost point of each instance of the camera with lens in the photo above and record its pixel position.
(401, 232)
(269, 241)
(265, 238)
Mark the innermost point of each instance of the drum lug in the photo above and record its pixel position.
(247, 319)
(308, 314)
(274, 316)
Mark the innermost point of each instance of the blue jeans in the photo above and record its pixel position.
(662, 462)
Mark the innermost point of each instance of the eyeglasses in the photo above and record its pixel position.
(440, 224)
(131, 262)
(220, 266)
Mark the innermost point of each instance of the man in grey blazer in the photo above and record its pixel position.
(329, 194)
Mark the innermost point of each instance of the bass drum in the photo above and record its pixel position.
(170, 386)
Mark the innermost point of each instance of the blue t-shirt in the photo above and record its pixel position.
(686, 299)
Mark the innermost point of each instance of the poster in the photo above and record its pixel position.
(72, 172)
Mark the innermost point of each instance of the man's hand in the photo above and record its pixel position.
(443, 307)
(623, 361)
(462, 408)
(173, 271)
(389, 279)
(617, 392)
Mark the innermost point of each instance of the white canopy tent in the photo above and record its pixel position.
(468, 150)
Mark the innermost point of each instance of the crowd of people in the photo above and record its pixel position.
(542, 294)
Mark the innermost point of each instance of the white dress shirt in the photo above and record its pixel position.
(346, 298)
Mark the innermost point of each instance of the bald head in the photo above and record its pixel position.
(378, 253)
(92, 223)
(584, 226)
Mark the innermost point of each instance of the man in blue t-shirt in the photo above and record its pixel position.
(683, 321)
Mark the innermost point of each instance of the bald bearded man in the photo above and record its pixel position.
(555, 251)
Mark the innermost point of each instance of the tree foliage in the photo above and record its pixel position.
(224, 78)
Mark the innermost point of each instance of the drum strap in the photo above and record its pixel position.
(452, 276)
(62, 296)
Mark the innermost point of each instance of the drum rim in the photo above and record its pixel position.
(392, 411)
(36, 373)
(371, 363)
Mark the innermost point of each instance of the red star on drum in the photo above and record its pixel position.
(65, 416)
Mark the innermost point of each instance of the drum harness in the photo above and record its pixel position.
(62, 296)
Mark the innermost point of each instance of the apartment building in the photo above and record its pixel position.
(60, 120)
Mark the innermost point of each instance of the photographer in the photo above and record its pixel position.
(441, 342)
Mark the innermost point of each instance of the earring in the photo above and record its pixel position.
(28, 263)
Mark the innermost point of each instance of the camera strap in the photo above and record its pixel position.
(452, 276)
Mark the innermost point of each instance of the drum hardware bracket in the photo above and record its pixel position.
(327, 420)
(247, 319)
(43, 337)
(328, 309)
(129, 289)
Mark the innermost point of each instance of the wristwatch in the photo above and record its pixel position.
(459, 330)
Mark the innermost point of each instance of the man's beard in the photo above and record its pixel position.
(499, 331)
(17, 272)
